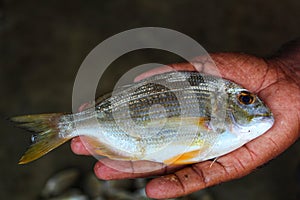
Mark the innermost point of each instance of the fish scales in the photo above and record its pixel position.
(147, 94)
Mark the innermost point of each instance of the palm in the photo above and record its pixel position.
(277, 86)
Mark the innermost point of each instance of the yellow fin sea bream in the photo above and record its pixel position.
(171, 118)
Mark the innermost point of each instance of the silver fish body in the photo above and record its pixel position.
(172, 118)
(168, 115)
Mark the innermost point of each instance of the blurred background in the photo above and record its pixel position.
(42, 44)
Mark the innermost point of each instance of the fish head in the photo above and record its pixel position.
(248, 114)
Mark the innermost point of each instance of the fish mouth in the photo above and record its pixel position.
(265, 117)
(261, 117)
(259, 124)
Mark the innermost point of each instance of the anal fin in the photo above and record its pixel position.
(184, 159)
(99, 148)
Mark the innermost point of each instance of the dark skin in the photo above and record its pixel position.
(275, 80)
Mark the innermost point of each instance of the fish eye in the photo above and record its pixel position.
(246, 98)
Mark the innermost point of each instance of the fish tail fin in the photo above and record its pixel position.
(47, 134)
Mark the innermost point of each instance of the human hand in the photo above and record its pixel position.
(277, 82)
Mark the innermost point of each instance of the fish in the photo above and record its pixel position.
(175, 118)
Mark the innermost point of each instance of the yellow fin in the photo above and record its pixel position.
(203, 122)
(184, 159)
(46, 137)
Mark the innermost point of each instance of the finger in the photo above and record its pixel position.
(205, 174)
(107, 169)
(203, 64)
(78, 147)
(197, 177)
(166, 68)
